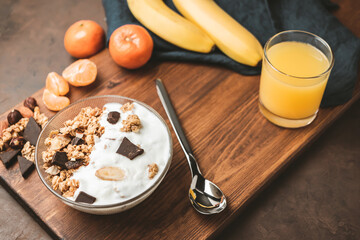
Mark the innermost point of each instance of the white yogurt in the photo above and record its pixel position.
(152, 137)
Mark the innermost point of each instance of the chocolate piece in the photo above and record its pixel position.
(77, 141)
(32, 131)
(60, 159)
(9, 156)
(14, 116)
(129, 150)
(73, 164)
(31, 103)
(17, 143)
(26, 166)
(85, 198)
(113, 117)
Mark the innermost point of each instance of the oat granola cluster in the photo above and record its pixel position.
(84, 128)
(16, 130)
(132, 122)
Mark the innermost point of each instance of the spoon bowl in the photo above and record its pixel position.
(206, 197)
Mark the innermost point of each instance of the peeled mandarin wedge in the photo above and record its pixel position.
(53, 102)
(57, 84)
(80, 73)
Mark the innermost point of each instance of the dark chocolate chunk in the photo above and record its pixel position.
(129, 150)
(77, 141)
(60, 159)
(32, 131)
(85, 198)
(26, 166)
(113, 117)
(73, 164)
(9, 156)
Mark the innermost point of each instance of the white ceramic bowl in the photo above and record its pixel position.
(69, 113)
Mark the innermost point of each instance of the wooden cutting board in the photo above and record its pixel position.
(236, 148)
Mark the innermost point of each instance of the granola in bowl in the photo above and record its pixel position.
(107, 155)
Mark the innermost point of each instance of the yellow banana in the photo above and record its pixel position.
(170, 26)
(229, 36)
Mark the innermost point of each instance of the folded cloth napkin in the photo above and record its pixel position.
(264, 18)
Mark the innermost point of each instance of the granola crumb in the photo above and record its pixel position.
(131, 124)
(28, 152)
(153, 170)
(127, 107)
(40, 118)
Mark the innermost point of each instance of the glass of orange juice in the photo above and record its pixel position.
(295, 70)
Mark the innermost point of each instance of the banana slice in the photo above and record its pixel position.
(110, 174)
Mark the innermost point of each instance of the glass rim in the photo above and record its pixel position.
(308, 33)
(152, 187)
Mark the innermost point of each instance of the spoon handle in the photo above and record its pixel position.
(170, 111)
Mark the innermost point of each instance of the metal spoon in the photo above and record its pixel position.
(205, 196)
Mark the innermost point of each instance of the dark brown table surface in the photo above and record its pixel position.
(317, 197)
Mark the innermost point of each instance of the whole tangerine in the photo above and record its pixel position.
(84, 38)
(131, 46)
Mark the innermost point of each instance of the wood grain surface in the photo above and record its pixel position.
(235, 146)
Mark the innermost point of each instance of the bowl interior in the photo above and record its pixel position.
(70, 112)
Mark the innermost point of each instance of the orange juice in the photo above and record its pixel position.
(292, 85)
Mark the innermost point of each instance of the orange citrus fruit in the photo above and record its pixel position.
(53, 102)
(131, 46)
(80, 73)
(57, 84)
(84, 38)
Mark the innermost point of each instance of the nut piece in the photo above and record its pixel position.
(53, 170)
(153, 170)
(26, 112)
(14, 116)
(3, 125)
(31, 103)
(58, 142)
(17, 143)
(110, 174)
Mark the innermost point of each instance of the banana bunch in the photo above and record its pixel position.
(207, 24)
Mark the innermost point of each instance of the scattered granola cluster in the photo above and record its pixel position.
(19, 134)
(69, 148)
(28, 152)
(153, 170)
(131, 124)
(12, 131)
(127, 107)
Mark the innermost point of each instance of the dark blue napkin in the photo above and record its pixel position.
(264, 18)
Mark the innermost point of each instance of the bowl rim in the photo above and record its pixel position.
(105, 206)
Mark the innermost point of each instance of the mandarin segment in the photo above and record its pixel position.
(80, 73)
(53, 102)
(57, 84)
